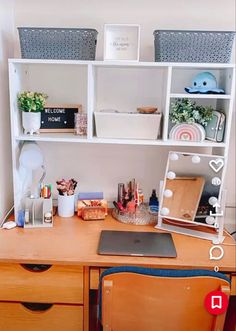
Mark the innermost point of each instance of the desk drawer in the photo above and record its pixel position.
(16, 317)
(57, 284)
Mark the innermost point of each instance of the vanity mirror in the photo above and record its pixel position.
(191, 193)
(182, 189)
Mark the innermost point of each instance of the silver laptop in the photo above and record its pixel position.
(136, 244)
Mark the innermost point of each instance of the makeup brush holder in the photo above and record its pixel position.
(66, 205)
(141, 216)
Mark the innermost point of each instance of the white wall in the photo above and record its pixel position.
(6, 51)
(151, 15)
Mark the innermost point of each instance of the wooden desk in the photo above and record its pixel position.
(70, 247)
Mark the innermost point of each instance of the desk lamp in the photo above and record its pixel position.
(30, 160)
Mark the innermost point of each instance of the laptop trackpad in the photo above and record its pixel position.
(136, 244)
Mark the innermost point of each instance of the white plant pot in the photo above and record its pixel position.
(66, 205)
(31, 122)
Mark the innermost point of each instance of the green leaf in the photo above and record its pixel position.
(187, 111)
(29, 101)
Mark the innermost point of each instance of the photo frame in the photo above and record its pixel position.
(121, 42)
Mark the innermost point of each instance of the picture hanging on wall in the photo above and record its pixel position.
(121, 42)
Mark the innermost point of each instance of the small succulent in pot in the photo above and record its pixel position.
(31, 104)
(31, 101)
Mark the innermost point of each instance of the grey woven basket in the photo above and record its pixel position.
(193, 46)
(58, 43)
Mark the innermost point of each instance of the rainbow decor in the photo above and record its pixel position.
(188, 132)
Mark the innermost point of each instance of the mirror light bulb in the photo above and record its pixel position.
(171, 175)
(165, 211)
(213, 201)
(168, 193)
(174, 157)
(210, 220)
(196, 159)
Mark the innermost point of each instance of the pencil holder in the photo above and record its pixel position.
(66, 205)
(38, 212)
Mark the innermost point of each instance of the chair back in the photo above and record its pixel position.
(141, 299)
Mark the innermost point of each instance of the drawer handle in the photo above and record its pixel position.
(40, 307)
(36, 267)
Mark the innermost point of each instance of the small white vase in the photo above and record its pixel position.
(66, 205)
(31, 122)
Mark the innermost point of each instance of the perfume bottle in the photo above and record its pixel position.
(153, 202)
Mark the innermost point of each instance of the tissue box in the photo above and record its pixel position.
(93, 213)
(82, 204)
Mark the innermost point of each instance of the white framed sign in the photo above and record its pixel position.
(121, 42)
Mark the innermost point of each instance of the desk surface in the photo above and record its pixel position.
(73, 241)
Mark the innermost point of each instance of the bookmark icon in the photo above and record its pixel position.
(216, 302)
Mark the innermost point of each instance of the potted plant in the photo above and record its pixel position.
(189, 119)
(31, 104)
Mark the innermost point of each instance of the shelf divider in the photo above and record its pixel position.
(90, 100)
(167, 105)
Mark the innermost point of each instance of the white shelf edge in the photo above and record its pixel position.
(164, 64)
(200, 96)
(124, 63)
(95, 140)
(56, 138)
(159, 142)
(46, 61)
(202, 65)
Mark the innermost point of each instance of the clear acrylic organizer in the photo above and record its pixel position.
(142, 216)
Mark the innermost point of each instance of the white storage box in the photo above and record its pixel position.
(114, 124)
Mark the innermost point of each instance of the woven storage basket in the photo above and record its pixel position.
(58, 43)
(193, 46)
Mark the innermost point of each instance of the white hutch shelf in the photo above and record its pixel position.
(98, 85)
(115, 85)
